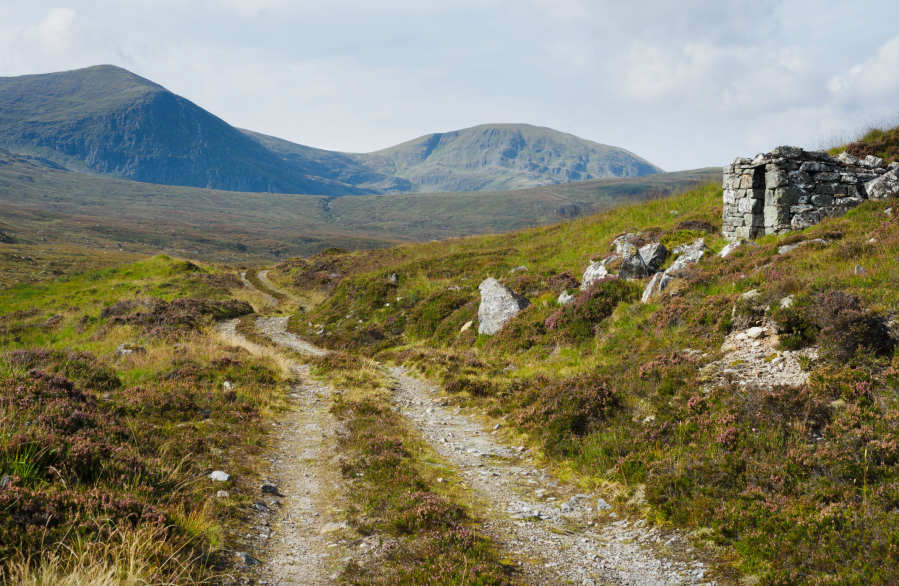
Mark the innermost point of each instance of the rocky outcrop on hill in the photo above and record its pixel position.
(791, 189)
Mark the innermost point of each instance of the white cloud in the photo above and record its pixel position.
(874, 80)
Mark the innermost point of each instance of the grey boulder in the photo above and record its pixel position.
(657, 284)
(499, 304)
(884, 186)
(654, 255)
(733, 246)
(565, 298)
(632, 265)
(220, 476)
(593, 273)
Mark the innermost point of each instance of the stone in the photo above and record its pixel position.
(632, 265)
(657, 284)
(129, 349)
(733, 246)
(787, 152)
(607, 261)
(860, 270)
(805, 218)
(565, 298)
(270, 489)
(246, 558)
(331, 528)
(786, 302)
(654, 255)
(791, 247)
(873, 162)
(689, 255)
(602, 505)
(755, 333)
(498, 305)
(227, 386)
(517, 269)
(884, 186)
(467, 326)
(593, 273)
(220, 476)
(847, 159)
(750, 295)
(393, 278)
(222, 494)
(621, 241)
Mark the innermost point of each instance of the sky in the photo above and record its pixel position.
(683, 83)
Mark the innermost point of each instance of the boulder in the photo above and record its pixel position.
(847, 159)
(884, 186)
(593, 273)
(733, 246)
(654, 255)
(498, 305)
(220, 476)
(565, 298)
(609, 260)
(270, 489)
(791, 247)
(129, 349)
(657, 284)
(632, 265)
(622, 241)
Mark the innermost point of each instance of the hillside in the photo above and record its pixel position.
(773, 447)
(107, 120)
(229, 226)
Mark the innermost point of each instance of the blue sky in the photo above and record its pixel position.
(685, 84)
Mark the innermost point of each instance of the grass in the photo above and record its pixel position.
(880, 139)
(105, 457)
(393, 491)
(795, 485)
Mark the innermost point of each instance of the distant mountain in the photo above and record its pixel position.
(107, 120)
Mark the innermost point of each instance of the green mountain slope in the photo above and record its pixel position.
(504, 156)
(106, 120)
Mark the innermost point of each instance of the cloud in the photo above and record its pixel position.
(872, 81)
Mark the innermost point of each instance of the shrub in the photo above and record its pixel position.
(576, 321)
(429, 314)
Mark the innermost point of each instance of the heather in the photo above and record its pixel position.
(104, 457)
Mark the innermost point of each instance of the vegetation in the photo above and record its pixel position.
(797, 483)
(104, 457)
(394, 492)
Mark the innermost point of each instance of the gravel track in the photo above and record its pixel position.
(551, 531)
(250, 286)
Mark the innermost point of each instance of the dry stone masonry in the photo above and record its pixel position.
(791, 189)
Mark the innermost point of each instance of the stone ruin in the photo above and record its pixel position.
(791, 189)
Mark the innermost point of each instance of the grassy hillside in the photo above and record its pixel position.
(105, 457)
(247, 227)
(793, 483)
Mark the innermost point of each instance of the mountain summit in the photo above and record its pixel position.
(107, 120)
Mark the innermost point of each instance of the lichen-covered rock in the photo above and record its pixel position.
(632, 265)
(884, 186)
(498, 305)
(565, 298)
(733, 246)
(657, 284)
(653, 255)
(689, 255)
(594, 272)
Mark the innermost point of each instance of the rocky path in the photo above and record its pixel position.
(246, 283)
(295, 517)
(555, 534)
(263, 277)
(551, 531)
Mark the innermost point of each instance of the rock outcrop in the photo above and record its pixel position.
(594, 272)
(499, 304)
(791, 189)
(653, 255)
(632, 265)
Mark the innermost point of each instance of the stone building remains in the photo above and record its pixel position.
(791, 189)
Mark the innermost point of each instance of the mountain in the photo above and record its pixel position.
(106, 120)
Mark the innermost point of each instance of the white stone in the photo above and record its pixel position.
(467, 326)
(565, 298)
(593, 273)
(755, 333)
(498, 305)
(733, 246)
(885, 186)
(220, 476)
(657, 284)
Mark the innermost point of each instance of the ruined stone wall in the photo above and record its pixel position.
(791, 189)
